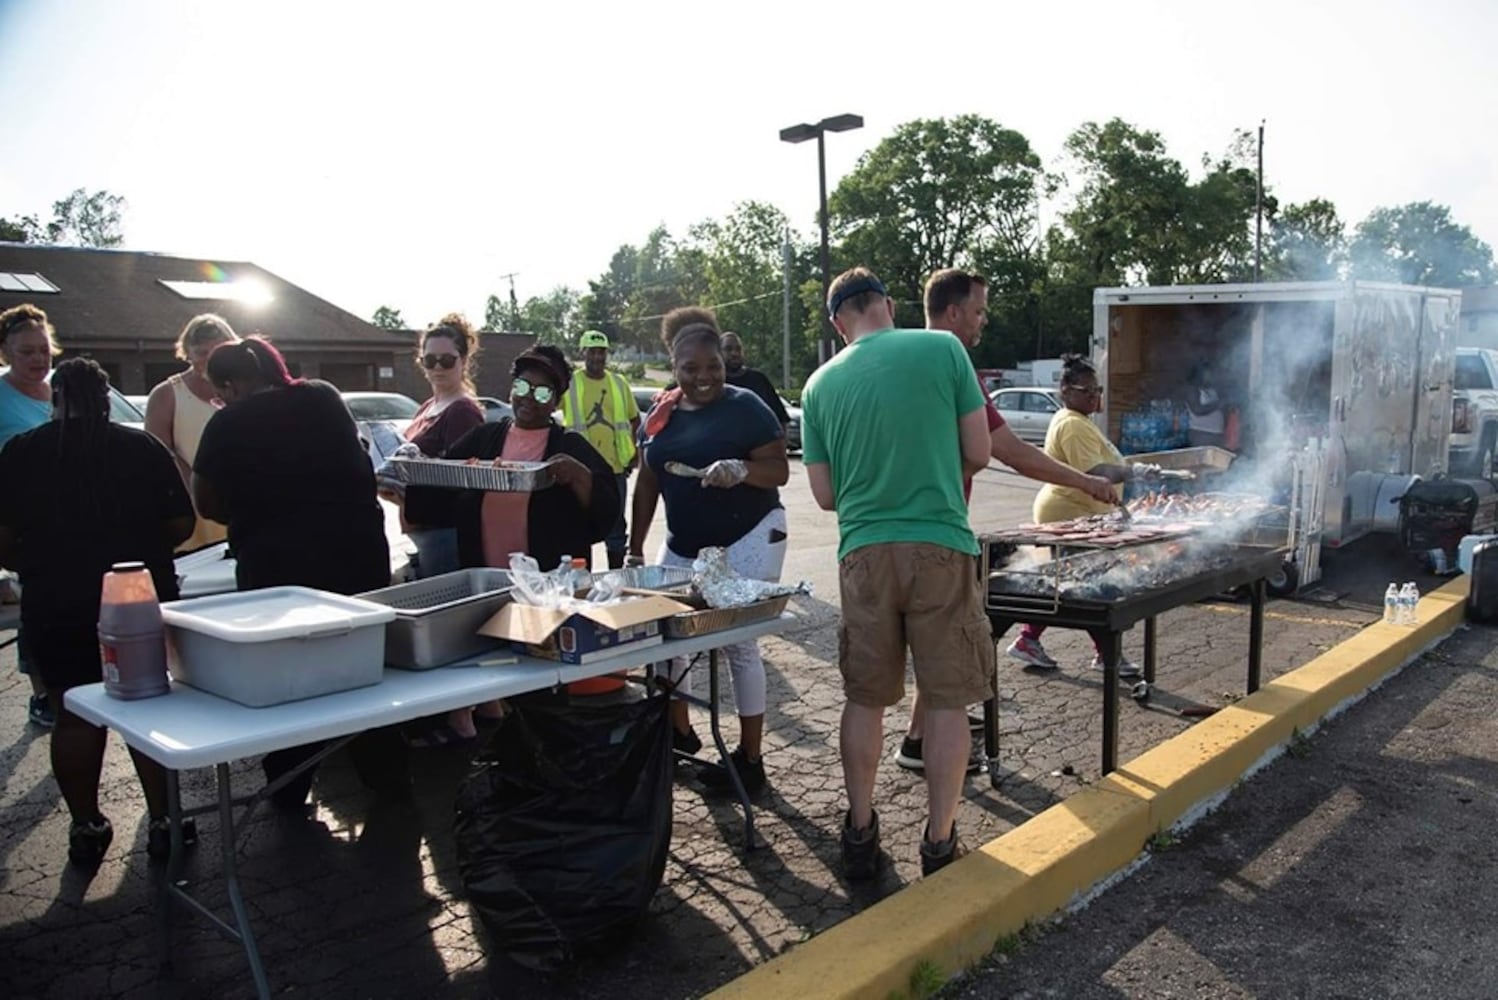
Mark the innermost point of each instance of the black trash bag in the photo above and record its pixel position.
(563, 826)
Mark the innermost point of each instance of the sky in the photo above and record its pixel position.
(411, 155)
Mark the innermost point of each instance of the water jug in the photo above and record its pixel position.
(132, 641)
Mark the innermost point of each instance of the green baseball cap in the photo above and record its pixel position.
(593, 338)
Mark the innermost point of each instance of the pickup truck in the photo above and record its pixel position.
(1474, 413)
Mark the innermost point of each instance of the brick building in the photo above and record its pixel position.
(125, 309)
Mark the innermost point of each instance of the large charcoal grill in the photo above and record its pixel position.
(1063, 594)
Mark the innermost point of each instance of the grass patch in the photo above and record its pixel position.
(1162, 841)
(926, 980)
(1299, 746)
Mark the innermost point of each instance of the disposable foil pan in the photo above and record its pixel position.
(437, 619)
(666, 578)
(510, 477)
(695, 623)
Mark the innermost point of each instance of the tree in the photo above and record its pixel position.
(22, 229)
(554, 318)
(1420, 244)
(387, 318)
(87, 220)
(941, 193)
(642, 284)
(1306, 242)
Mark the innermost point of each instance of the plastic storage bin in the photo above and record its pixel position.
(437, 620)
(268, 647)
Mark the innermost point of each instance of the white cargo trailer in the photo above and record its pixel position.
(1352, 377)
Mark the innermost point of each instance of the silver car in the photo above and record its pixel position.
(1027, 411)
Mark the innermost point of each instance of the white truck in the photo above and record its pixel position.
(1474, 413)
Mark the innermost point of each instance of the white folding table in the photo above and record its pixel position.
(189, 728)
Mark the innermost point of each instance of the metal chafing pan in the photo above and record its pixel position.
(437, 619)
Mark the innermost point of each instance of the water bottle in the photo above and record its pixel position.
(1391, 605)
(581, 578)
(132, 641)
(1410, 598)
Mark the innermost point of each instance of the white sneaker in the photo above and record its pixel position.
(1032, 654)
(1126, 666)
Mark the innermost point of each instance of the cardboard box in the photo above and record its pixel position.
(583, 636)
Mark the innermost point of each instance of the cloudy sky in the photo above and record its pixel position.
(411, 154)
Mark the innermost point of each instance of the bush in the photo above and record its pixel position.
(634, 372)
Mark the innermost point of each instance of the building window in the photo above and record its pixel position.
(13, 281)
(246, 290)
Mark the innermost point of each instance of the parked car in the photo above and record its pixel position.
(381, 406)
(121, 410)
(792, 429)
(1474, 414)
(495, 410)
(644, 396)
(139, 402)
(1028, 412)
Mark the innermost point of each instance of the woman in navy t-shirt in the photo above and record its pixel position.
(736, 441)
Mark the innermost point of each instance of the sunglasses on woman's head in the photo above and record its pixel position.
(443, 361)
(542, 394)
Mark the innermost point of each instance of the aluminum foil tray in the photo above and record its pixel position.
(510, 477)
(695, 623)
(666, 578)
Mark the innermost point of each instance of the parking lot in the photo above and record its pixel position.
(361, 901)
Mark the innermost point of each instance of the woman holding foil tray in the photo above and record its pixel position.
(716, 455)
(565, 520)
(1075, 440)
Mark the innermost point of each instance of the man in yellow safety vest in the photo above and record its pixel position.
(600, 406)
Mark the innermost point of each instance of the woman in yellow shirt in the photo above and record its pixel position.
(1074, 440)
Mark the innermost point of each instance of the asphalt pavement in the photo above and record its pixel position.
(1362, 864)
(360, 900)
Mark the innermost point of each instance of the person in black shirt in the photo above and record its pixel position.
(282, 466)
(757, 382)
(82, 494)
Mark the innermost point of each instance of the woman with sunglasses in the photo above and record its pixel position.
(1074, 440)
(446, 356)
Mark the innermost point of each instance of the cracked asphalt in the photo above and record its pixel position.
(359, 900)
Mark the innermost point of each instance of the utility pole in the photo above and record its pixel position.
(785, 312)
(514, 302)
(1259, 209)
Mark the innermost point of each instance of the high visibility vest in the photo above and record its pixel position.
(615, 411)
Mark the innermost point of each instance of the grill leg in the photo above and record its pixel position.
(1255, 632)
(1112, 646)
(1149, 650)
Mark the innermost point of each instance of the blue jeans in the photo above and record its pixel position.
(618, 539)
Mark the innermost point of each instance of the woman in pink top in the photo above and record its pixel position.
(566, 520)
(446, 355)
(178, 409)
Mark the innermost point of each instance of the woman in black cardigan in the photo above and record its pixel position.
(567, 519)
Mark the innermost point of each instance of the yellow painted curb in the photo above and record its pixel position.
(956, 917)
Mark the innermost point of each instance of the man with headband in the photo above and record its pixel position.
(890, 427)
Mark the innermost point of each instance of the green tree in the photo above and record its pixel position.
(87, 219)
(22, 229)
(1306, 242)
(957, 192)
(554, 318)
(740, 259)
(1420, 244)
(641, 284)
(387, 318)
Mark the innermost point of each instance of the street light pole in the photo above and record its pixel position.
(827, 343)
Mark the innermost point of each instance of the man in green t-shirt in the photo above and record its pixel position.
(890, 427)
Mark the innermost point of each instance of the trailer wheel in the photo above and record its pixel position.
(1283, 582)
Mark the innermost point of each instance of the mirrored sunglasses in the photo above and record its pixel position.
(443, 361)
(542, 394)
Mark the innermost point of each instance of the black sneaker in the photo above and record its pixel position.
(935, 857)
(39, 711)
(685, 742)
(910, 758)
(159, 837)
(860, 849)
(87, 842)
(751, 773)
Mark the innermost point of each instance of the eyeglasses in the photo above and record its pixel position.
(542, 394)
(1096, 390)
(443, 361)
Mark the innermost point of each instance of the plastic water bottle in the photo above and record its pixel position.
(1391, 605)
(1409, 599)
